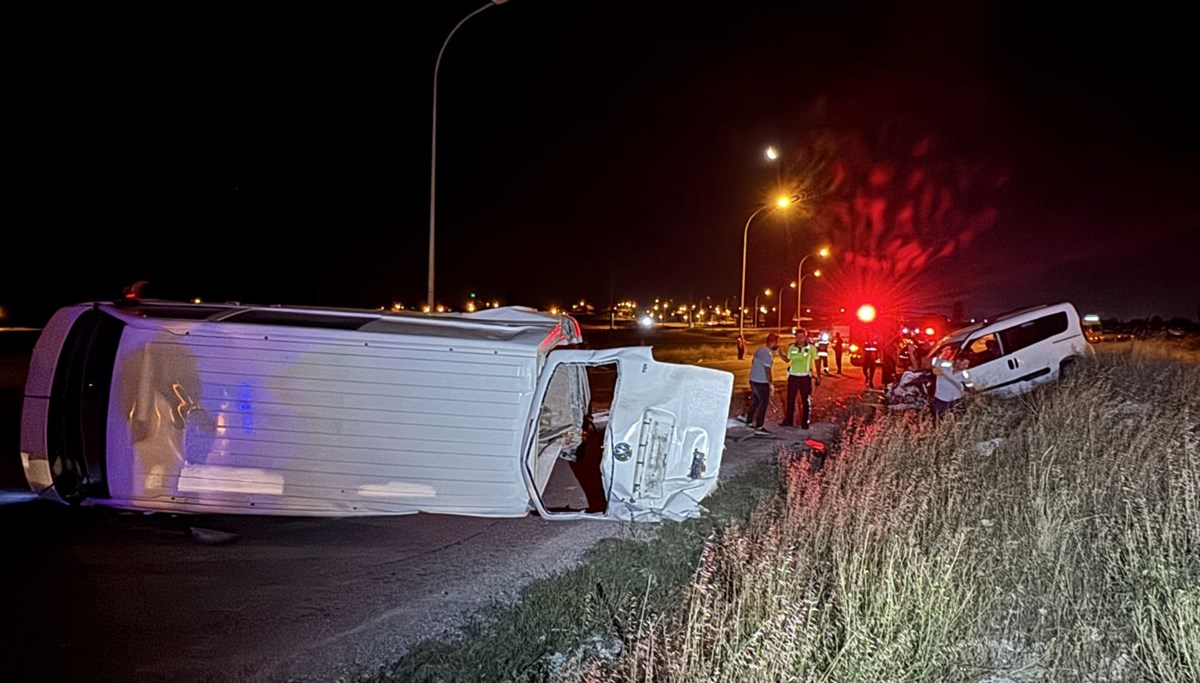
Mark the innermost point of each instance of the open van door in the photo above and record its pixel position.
(663, 440)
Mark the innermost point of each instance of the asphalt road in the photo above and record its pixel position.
(102, 595)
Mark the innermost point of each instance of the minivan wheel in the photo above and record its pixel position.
(1066, 369)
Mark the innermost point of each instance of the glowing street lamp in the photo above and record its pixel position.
(433, 152)
(823, 252)
(780, 203)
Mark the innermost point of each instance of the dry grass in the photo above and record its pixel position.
(1053, 537)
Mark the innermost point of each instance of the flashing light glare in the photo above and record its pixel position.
(866, 313)
(854, 348)
(783, 202)
(771, 153)
(929, 331)
(647, 321)
(824, 336)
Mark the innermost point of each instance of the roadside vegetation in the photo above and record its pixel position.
(1053, 537)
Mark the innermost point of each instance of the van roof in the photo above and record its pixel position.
(503, 326)
(963, 332)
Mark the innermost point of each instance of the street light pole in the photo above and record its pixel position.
(765, 292)
(779, 310)
(433, 155)
(780, 203)
(823, 253)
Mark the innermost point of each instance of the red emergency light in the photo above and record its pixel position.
(866, 313)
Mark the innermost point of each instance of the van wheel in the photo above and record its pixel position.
(1066, 369)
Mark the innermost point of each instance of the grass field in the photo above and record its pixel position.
(1054, 537)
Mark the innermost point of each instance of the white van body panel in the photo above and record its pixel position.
(665, 434)
(1019, 367)
(398, 414)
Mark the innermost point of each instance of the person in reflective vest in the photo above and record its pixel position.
(801, 358)
(822, 355)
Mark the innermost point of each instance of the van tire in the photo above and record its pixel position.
(1066, 369)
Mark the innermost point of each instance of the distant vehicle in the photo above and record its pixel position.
(269, 410)
(1017, 351)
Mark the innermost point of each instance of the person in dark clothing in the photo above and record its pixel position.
(870, 356)
(839, 347)
(889, 359)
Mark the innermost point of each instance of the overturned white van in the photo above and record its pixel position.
(271, 410)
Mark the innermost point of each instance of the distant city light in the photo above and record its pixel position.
(647, 321)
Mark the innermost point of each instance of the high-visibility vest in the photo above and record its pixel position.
(800, 359)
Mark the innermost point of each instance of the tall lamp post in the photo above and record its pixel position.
(433, 156)
(765, 292)
(823, 253)
(815, 273)
(781, 203)
(779, 306)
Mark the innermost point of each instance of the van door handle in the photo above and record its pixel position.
(1012, 363)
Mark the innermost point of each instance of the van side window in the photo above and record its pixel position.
(1033, 331)
(983, 349)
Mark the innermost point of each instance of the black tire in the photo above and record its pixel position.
(1066, 369)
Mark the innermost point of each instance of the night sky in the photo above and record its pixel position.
(997, 156)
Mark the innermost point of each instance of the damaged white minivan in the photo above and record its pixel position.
(272, 410)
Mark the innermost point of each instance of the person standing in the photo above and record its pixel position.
(870, 356)
(950, 383)
(839, 347)
(889, 360)
(741, 346)
(760, 382)
(822, 354)
(802, 361)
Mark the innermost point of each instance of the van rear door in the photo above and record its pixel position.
(663, 440)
